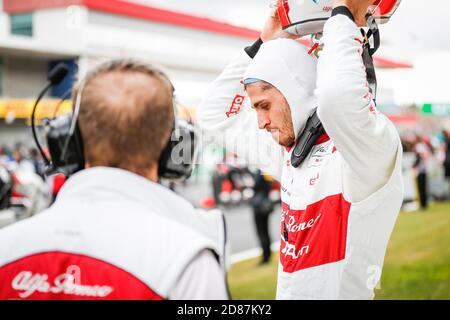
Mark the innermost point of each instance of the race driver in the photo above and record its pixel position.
(340, 205)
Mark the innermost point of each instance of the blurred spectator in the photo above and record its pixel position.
(4, 155)
(423, 154)
(262, 208)
(21, 162)
(446, 135)
(6, 185)
(26, 193)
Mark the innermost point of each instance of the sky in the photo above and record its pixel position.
(416, 34)
(418, 27)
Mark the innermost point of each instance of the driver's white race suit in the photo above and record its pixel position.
(340, 206)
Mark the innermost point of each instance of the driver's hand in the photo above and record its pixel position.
(358, 8)
(273, 30)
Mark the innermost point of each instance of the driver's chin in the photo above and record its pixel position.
(276, 136)
(287, 143)
(282, 139)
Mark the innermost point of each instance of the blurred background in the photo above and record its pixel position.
(193, 40)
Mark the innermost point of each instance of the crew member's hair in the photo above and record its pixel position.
(126, 115)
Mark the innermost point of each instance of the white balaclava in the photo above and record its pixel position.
(286, 65)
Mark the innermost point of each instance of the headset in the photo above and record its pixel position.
(65, 143)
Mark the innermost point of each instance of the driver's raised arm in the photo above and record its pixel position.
(366, 139)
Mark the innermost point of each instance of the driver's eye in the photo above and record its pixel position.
(261, 106)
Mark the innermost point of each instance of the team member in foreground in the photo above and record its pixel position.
(113, 232)
(340, 204)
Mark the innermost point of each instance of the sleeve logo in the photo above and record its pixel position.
(236, 105)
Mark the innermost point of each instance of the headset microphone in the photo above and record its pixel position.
(55, 76)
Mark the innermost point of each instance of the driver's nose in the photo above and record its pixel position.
(263, 119)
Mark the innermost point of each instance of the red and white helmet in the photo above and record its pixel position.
(304, 17)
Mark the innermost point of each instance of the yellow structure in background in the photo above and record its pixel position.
(48, 108)
(22, 108)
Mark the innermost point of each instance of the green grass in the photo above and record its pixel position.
(417, 263)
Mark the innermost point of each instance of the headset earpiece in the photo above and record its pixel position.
(65, 147)
(178, 157)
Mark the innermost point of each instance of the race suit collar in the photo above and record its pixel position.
(322, 139)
